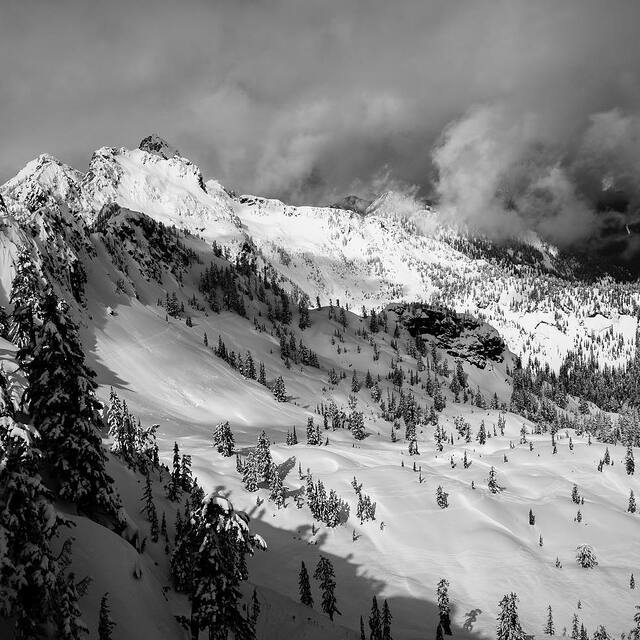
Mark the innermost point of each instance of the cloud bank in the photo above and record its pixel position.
(513, 113)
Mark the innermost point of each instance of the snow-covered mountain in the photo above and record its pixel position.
(130, 245)
(388, 252)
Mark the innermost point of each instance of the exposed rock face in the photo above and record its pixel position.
(158, 146)
(461, 335)
(352, 203)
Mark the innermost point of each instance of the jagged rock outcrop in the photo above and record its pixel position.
(461, 335)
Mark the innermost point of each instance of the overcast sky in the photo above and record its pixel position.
(311, 100)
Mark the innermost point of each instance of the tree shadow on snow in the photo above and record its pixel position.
(413, 618)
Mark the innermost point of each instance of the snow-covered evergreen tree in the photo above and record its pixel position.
(223, 439)
(64, 409)
(509, 627)
(279, 390)
(25, 298)
(219, 541)
(444, 606)
(549, 628)
(585, 556)
(250, 472)
(386, 621)
(263, 459)
(277, 491)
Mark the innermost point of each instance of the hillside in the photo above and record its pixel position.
(152, 258)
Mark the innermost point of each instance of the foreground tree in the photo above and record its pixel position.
(35, 589)
(64, 410)
(217, 541)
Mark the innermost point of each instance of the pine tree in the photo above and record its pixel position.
(629, 462)
(549, 628)
(64, 410)
(386, 621)
(173, 489)
(508, 622)
(250, 473)
(632, 503)
(105, 624)
(443, 606)
(585, 556)
(218, 541)
(632, 582)
(442, 498)
(304, 586)
(493, 482)
(25, 299)
(277, 492)
(375, 625)
(223, 439)
(263, 459)
(325, 575)
(313, 436)
(362, 633)
(279, 390)
(35, 588)
(147, 498)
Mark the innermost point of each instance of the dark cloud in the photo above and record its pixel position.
(528, 110)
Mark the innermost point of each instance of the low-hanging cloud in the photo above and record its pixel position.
(305, 101)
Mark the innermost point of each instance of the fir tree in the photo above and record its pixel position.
(442, 498)
(279, 390)
(64, 410)
(325, 575)
(443, 606)
(175, 478)
(508, 622)
(263, 459)
(585, 556)
(386, 621)
(277, 492)
(105, 623)
(25, 299)
(304, 586)
(218, 541)
(493, 482)
(147, 498)
(250, 473)
(375, 625)
(629, 462)
(631, 508)
(549, 628)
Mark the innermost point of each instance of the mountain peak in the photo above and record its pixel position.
(352, 203)
(158, 146)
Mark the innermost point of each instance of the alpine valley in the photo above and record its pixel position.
(352, 421)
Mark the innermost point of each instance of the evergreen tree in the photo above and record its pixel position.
(493, 482)
(375, 625)
(632, 503)
(175, 478)
(279, 390)
(585, 556)
(218, 541)
(223, 439)
(25, 299)
(549, 628)
(325, 575)
(64, 410)
(105, 623)
(629, 462)
(362, 633)
(508, 622)
(277, 492)
(263, 459)
(304, 586)
(250, 473)
(386, 621)
(35, 588)
(313, 435)
(443, 606)
(147, 498)
(442, 498)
